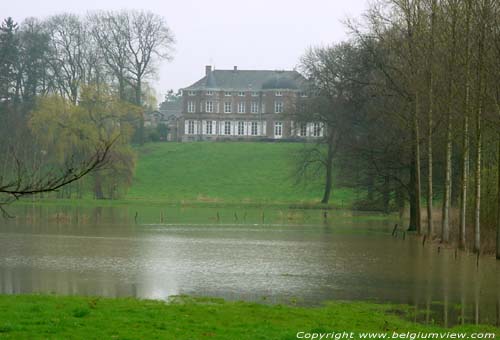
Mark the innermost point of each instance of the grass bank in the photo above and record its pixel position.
(210, 172)
(35, 317)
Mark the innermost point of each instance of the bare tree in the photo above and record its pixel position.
(68, 43)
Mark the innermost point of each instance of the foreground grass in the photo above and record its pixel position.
(34, 317)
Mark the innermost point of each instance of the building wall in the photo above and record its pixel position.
(193, 125)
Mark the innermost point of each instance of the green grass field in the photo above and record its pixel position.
(52, 317)
(225, 173)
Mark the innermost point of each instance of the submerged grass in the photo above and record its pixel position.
(56, 317)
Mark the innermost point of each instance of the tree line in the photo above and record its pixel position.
(411, 103)
(72, 87)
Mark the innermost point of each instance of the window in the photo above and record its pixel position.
(241, 128)
(210, 93)
(263, 108)
(228, 94)
(254, 130)
(255, 94)
(191, 127)
(190, 107)
(278, 107)
(227, 107)
(278, 94)
(209, 107)
(316, 130)
(241, 107)
(302, 94)
(303, 130)
(209, 127)
(278, 129)
(254, 107)
(191, 93)
(241, 94)
(227, 128)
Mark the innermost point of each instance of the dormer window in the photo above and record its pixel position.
(278, 94)
(210, 93)
(302, 94)
(191, 93)
(228, 94)
(241, 94)
(255, 94)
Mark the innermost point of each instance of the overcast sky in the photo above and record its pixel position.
(252, 34)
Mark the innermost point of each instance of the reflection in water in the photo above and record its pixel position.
(304, 256)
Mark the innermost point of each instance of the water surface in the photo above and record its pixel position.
(267, 255)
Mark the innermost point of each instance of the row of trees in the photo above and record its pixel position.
(412, 105)
(72, 87)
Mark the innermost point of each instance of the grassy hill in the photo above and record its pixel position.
(224, 172)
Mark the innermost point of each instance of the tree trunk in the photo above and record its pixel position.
(445, 228)
(498, 200)
(477, 200)
(465, 140)
(412, 192)
(329, 170)
(417, 188)
(465, 178)
(430, 222)
(98, 194)
(138, 100)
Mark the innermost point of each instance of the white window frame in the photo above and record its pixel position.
(191, 107)
(228, 94)
(254, 107)
(241, 93)
(278, 129)
(209, 127)
(227, 127)
(228, 107)
(190, 127)
(255, 94)
(263, 108)
(210, 93)
(278, 107)
(316, 130)
(254, 129)
(303, 130)
(241, 107)
(240, 128)
(209, 106)
(191, 93)
(278, 94)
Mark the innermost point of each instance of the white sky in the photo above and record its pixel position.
(252, 34)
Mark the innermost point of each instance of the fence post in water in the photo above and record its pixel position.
(235, 217)
(218, 217)
(135, 217)
(394, 230)
(262, 216)
(245, 216)
(423, 240)
(404, 235)
(477, 259)
(161, 216)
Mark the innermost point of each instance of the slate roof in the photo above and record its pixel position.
(171, 108)
(249, 79)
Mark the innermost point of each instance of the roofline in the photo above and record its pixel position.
(248, 89)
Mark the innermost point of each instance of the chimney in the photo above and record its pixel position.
(208, 69)
(235, 68)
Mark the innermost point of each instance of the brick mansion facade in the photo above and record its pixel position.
(244, 105)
